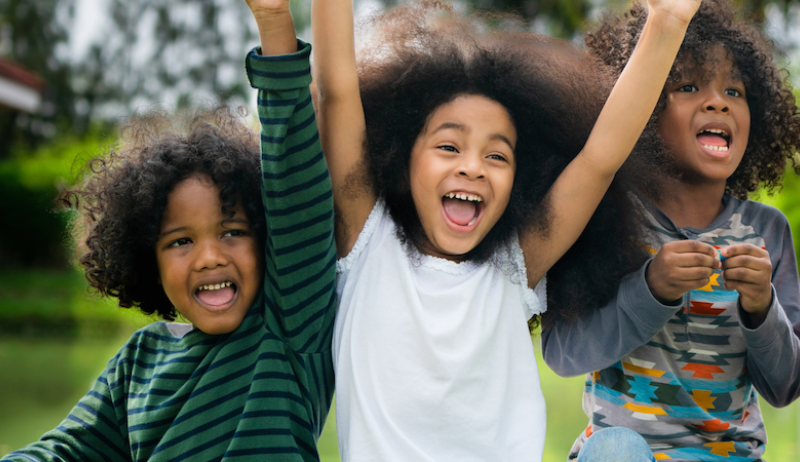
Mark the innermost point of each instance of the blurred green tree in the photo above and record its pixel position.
(169, 51)
(34, 34)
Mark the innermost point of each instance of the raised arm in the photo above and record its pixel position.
(578, 190)
(300, 255)
(341, 117)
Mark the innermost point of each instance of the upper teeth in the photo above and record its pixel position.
(221, 285)
(464, 197)
(714, 131)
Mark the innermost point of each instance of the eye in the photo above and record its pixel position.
(448, 147)
(497, 156)
(733, 92)
(234, 233)
(180, 242)
(688, 88)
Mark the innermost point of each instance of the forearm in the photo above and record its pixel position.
(773, 348)
(300, 252)
(577, 192)
(91, 432)
(341, 116)
(773, 357)
(635, 94)
(276, 31)
(604, 336)
(334, 49)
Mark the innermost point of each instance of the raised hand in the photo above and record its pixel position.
(267, 6)
(747, 269)
(681, 266)
(275, 26)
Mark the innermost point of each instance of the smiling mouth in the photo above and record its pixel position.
(216, 295)
(462, 209)
(714, 139)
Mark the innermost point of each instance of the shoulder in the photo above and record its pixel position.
(157, 341)
(755, 210)
(765, 219)
(379, 224)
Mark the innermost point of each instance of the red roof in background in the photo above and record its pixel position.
(19, 74)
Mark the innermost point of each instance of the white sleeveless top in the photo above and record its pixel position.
(433, 359)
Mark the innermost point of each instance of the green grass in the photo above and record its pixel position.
(58, 303)
(44, 376)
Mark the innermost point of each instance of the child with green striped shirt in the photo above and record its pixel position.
(172, 224)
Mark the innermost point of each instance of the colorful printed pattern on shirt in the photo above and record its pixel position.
(686, 391)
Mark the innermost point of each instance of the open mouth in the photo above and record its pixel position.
(216, 295)
(714, 139)
(462, 209)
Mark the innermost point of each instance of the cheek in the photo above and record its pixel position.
(251, 264)
(503, 194)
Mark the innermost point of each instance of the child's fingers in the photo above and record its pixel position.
(685, 254)
(745, 275)
(748, 270)
(691, 246)
(681, 266)
(692, 260)
(743, 249)
(747, 261)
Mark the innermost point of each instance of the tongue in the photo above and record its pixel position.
(216, 297)
(711, 140)
(458, 211)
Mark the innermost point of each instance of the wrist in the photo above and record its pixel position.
(666, 22)
(276, 31)
(268, 19)
(753, 319)
(756, 308)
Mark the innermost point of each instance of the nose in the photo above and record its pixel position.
(715, 102)
(471, 166)
(210, 254)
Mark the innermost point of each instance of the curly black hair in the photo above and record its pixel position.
(121, 199)
(774, 138)
(774, 117)
(419, 56)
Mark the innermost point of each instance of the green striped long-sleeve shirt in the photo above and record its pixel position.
(264, 390)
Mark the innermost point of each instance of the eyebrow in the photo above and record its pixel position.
(172, 231)
(179, 229)
(463, 128)
(242, 221)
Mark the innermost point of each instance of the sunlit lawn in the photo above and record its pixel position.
(41, 378)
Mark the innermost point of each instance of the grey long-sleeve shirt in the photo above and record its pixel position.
(685, 376)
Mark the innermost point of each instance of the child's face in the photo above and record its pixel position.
(208, 263)
(706, 124)
(466, 151)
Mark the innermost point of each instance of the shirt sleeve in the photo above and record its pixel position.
(93, 431)
(300, 256)
(604, 336)
(773, 348)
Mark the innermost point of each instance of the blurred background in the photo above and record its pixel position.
(71, 69)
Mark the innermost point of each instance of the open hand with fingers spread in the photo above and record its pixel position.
(747, 269)
(681, 266)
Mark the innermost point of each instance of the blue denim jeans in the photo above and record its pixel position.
(616, 444)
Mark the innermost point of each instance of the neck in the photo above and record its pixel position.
(691, 205)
